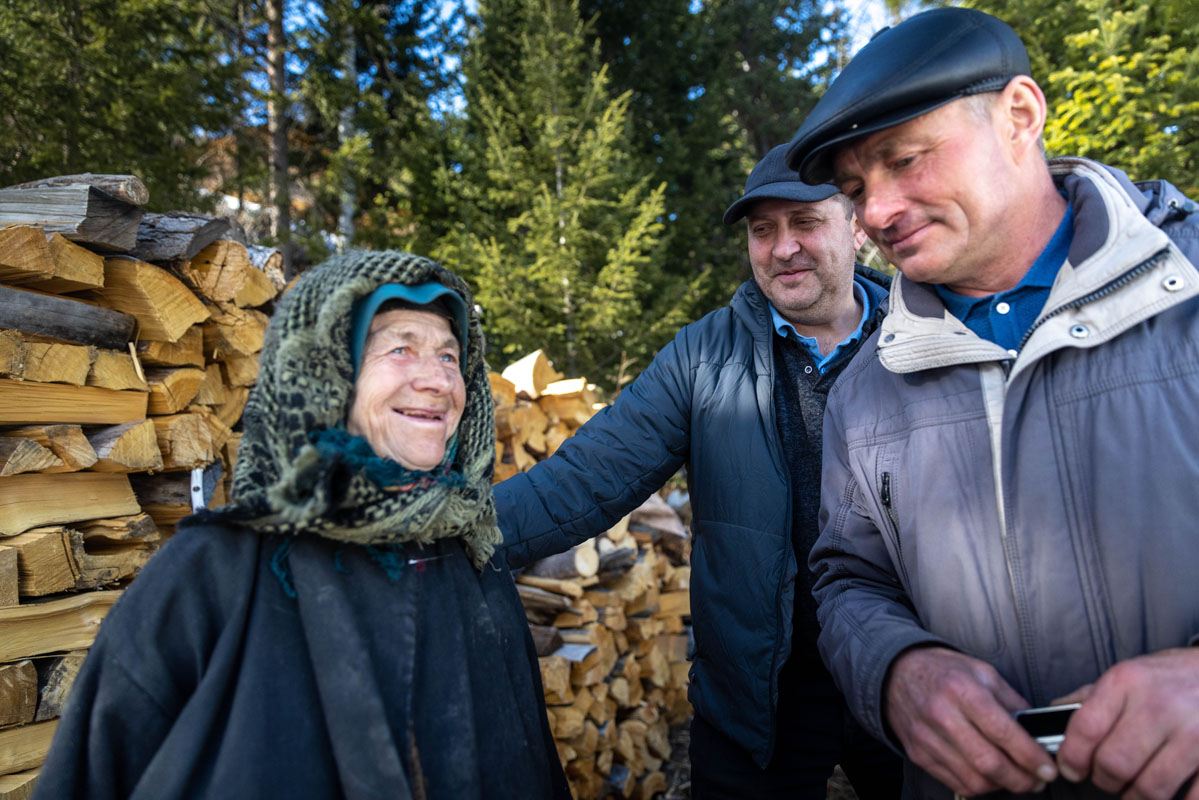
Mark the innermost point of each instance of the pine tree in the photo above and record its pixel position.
(560, 235)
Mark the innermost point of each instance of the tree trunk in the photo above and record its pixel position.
(277, 126)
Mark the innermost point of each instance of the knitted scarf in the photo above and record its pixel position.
(285, 484)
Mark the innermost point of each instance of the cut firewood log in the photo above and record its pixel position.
(555, 679)
(80, 212)
(67, 623)
(567, 588)
(12, 353)
(10, 593)
(176, 236)
(546, 639)
(676, 604)
(188, 351)
(47, 362)
(212, 390)
(185, 440)
(24, 455)
(55, 677)
(18, 693)
(126, 188)
(555, 435)
(25, 747)
(531, 374)
(580, 613)
(116, 370)
(19, 785)
(166, 498)
(580, 561)
(162, 305)
(135, 530)
(540, 600)
(503, 391)
(76, 268)
(65, 441)
(240, 370)
(234, 331)
(649, 785)
(172, 389)
(36, 403)
(24, 255)
(130, 447)
(44, 562)
(562, 408)
(218, 431)
(229, 412)
(64, 318)
(223, 272)
(573, 388)
(270, 262)
(568, 722)
(522, 458)
(32, 500)
(48, 555)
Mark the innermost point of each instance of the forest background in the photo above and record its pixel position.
(570, 158)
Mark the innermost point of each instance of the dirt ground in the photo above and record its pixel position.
(678, 772)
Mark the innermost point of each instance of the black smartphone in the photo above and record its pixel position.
(1047, 725)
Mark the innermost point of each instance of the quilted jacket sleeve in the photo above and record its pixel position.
(608, 468)
(865, 617)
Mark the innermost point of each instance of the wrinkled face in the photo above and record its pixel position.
(409, 395)
(932, 193)
(802, 256)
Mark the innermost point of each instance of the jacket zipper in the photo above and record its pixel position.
(1101, 292)
(884, 491)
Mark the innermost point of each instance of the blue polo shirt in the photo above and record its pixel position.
(785, 329)
(1004, 318)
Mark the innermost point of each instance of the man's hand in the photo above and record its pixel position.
(1137, 731)
(953, 715)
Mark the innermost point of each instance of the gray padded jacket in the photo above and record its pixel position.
(1035, 512)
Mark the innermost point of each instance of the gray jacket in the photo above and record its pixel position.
(1037, 513)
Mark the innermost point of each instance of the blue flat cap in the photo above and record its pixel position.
(921, 64)
(772, 179)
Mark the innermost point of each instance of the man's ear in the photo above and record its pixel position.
(859, 235)
(1024, 110)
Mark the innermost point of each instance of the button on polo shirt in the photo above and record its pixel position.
(1004, 318)
(786, 330)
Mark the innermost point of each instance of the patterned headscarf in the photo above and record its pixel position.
(284, 484)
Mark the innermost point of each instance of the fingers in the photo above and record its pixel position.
(1079, 695)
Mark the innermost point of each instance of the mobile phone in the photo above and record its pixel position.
(1047, 724)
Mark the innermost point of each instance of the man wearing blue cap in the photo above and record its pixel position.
(1009, 462)
(738, 398)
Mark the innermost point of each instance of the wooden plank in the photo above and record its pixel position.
(79, 212)
(29, 501)
(176, 236)
(53, 626)
(25, 747)
(126, 188)
(26, 402)
(65, 318)
(18, 693)
(163, 306)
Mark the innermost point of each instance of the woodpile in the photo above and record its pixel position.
(610, 617)
(128, 344)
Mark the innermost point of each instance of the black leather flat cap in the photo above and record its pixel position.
(917, 66)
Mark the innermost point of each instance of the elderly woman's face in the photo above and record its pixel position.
(409, 395)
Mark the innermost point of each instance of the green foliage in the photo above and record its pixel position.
(558, 233)
(120, 86)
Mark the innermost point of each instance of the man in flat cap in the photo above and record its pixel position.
(738, 397)
(1011, 462)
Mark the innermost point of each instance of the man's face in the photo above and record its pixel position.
(802, 256)
(932, 193)
(409, 395)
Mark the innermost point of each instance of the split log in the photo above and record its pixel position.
(115, 370)
(65, 318)
(531, 374)
(162, 305)
(130, 447)
(126, 188)
(568, 722)
(567, 588)
(37, 403)
(571, 410)
(47, 362)
(188, 351)
(185, 441)
(555, 678)
(75, 267)
(55, 677)
(176, 236)
(229, 412)
(234, 331)
(74, 496)
(166, 498)
(212, 390)
(68, 623)
(10, 594)
(79, 212)
(23, 455)
(171, 390)
(223, 272)
(503, 391)
(555, 435)
(65, 441)
(138, 529)
(546, 639)
(18, 693)
(25, 747)
(19, 785)
(44, 562)
(12, 353)
(59, 558)
(24, 255)
(581, 561)
(270, 262)
(240, 370)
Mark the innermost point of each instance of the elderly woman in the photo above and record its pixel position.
(338, 630)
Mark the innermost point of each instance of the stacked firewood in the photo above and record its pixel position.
(128, 343)
(610, 617)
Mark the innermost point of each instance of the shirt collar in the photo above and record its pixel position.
(785, 329)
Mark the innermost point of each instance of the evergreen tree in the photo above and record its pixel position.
(561, 240)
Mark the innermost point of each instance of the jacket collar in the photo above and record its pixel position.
(752, 308)
(1113, 242)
